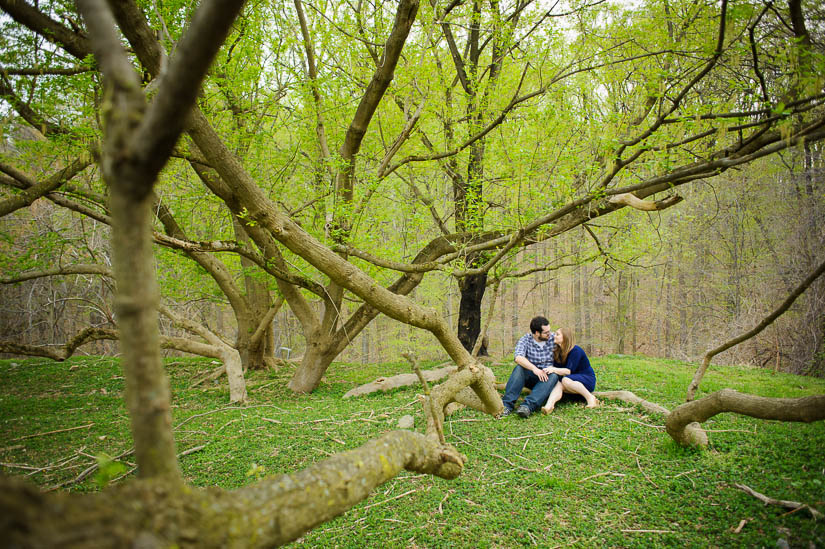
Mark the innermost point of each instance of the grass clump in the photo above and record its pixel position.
(604, 477)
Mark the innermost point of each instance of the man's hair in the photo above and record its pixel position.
(537, 324)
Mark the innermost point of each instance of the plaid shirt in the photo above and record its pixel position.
(541, 357)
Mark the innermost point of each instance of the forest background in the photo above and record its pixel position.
(561, 89)
(650, 174)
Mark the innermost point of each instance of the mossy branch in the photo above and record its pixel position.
(270, 512)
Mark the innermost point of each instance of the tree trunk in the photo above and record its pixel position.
(633, 319)
(469, 311)
(258, 298)
(578, 307)
(319, 354)
(365, 347)
(620, 322)
(253, 355)
(587, 327)
(666, 350)
(515, 328)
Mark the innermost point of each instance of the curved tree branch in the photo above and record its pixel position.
(805, 409)
(631, 200)
(25, 111)
(46, 186)
(92, 269)
(24, 13)
(59, 354)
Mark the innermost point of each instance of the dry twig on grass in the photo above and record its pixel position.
(408, 492)
(793, 505)
(511, 464)
(611, 473)
(52, 432)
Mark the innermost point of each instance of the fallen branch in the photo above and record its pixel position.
(88, 471)
(606, 473)
(511, 464)
(408, 492)
(208, 376)
(794, 505)
(630, 398)
(401, 380)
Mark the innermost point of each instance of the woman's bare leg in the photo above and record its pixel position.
(555, 396)
(571, 386)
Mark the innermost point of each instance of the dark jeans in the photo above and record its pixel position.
(521, 378)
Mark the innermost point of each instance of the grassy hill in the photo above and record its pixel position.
(592, 478)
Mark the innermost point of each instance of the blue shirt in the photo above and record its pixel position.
(540, 355)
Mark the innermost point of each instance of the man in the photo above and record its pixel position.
(534, 353)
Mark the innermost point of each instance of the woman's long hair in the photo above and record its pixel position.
(561, 351)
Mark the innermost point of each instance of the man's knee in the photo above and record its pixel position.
(517, 373)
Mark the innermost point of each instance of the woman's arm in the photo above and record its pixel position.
(575, 360)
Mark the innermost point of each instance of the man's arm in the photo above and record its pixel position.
(530, 367)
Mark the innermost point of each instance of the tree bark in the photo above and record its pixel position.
(319, 354)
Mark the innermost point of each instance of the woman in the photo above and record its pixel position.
(570, 361)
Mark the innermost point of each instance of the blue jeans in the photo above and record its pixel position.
(521, 378)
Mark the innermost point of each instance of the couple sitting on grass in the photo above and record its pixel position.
(550, 365)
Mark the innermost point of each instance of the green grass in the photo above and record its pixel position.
(591, 478)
